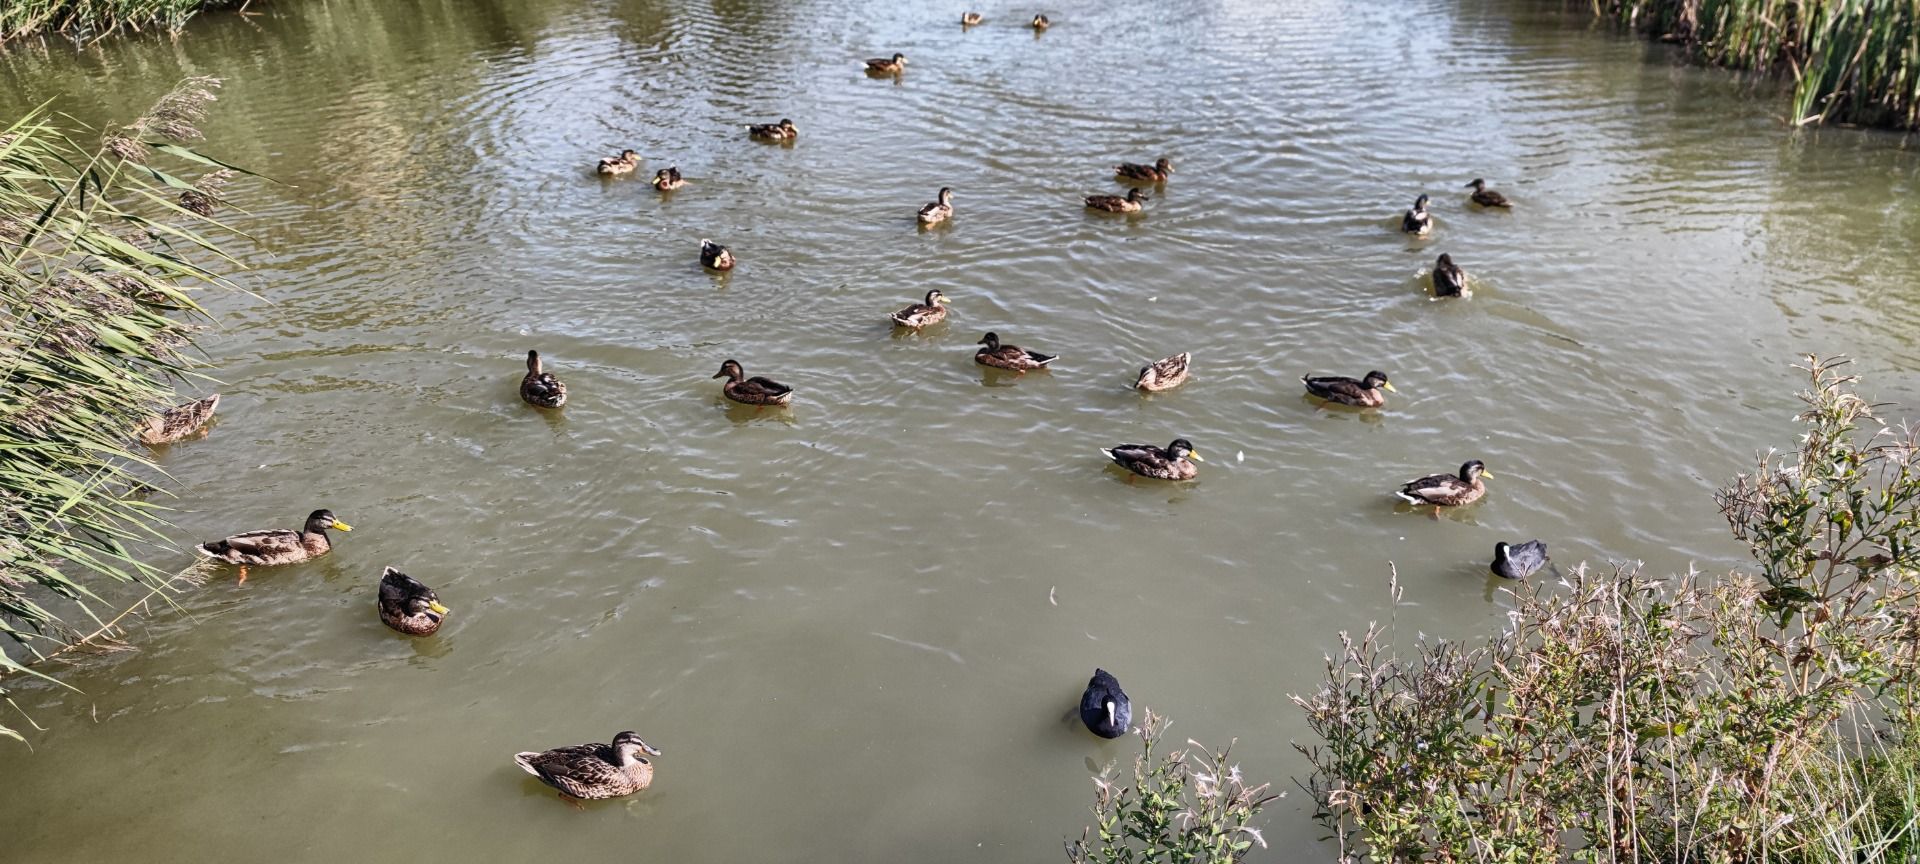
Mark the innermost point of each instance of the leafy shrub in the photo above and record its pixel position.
(1185, 807)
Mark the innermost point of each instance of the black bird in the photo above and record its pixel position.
(1518, 562)
(1448, 279)
(1104, 707)
(1418, 221)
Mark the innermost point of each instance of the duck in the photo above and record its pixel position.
(887, 66)
(1172, 462)
(668, 179)
(938, 211)
(1448, 279)
(715, 256)
(1364, 393)
(1448, 490)
(1105, 707)
(1418, 221)
(923, 314)
(539, 388)
(408, 606)
(594, 772)
(1518, 560)
(1117, 204)
(1486, 197)
(1011, 357)
(1040, 22)
(276, 546)
(1158, 172)
(752, 391)
(178, 422)
(621, 164)
(969, 19)
(1163, 374)
(781, 131)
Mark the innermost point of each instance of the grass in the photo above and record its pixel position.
(90, 19)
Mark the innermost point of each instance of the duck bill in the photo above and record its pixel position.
(340, 526)
(438, 609)
(1194, 456)
(1389, 386)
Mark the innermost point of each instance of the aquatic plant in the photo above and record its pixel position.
(1188, 806)
(100, 252)
(91, 19)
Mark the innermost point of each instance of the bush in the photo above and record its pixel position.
(1183, 808)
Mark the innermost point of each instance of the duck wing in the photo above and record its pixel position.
(765, 387)
(1129, 455)
(583, 771)
(1433, 489)
(257, 547)
(1335, 387)
(179, 421)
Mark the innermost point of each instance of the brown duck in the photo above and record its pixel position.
(1011, 357)
(752, 391)
(178, 422)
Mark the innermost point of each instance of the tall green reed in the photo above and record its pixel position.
(88, 19)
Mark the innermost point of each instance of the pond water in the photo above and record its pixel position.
(854, 627)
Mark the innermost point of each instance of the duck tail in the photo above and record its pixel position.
(525, 761)
(206, 551)
(1109, 454)
(1402, 495)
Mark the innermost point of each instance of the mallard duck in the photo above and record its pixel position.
(1117, 204)
(752, 391)
(1160, 463)
(1364, 393)
(621, 164)
(969, 19)
(781, 131)
(1518, 561)
(276, 546)
(594, 771)
(715, 256)
(178, 422)
(1040, 22)
(887, 66)
(668, 179)
(1487, 197)
(1104, 707)
(1448, 490)
(1448, 279)
(924, 314)
(540, 389)
(1009, 356)
(938, 211)
(408, 606)
(1418, 221)
(1163, 374)
(1158, 172)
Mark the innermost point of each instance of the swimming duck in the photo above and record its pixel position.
(594, 771)
(1448, 279)
(408, 606)
(715, 256)
(276, 546)
(752, 391)
(539, 388)
(1418, 221)
(1040, 22)
(1487, 197)
(938, 211)
(925, 314)
(1011, 357)
(1364, 393)
(621, 164)
(1117, 204)
(781, 131)
(968, 19)
(1163, 374)
(1448, 490)
(1518, 561)
(668, 179)
(1160, 463)
(1105, 707)
(1158, 172)
(886, 66)
(178, 422)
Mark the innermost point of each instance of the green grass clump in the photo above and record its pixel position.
(90, 19)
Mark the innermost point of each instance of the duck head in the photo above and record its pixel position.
(731, 371)
(991, 340)
(935, 298)
(1377, 379)
(1181, 448)
(320, 520)
(627, 747)
(1474, 470)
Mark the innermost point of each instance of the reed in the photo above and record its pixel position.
(91, 19)
(101, 251)
(1854, 61)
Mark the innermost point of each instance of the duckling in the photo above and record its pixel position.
(1448, 490)
(276, 546)
(408, 606)
(715, 256)
(921, 315)
(1418, 221)
(969, 19)
(1040, 22)
(668, 179)
(1117, 204)
(1364, 393)
(938, 211)
(621, 164)
(886, 66)
(594, 771)
(1158, 172)
(1487, 197)
(1163, 374)
(1011, 357)
(781, 131)
(1172, 462)
(1448, 279)
(539, 388)
(1104, 707)
(178, 422)
(1518, 561)
(752, 391)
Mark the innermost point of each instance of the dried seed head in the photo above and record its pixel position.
(176, 114)
(205, 194)
(127, 149)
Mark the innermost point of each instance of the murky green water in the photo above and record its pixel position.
(836, 621)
